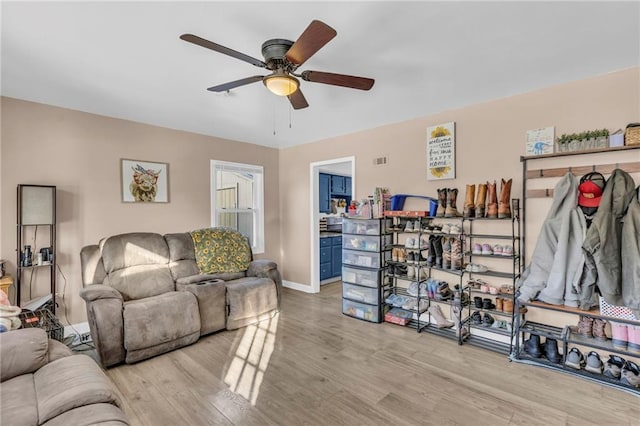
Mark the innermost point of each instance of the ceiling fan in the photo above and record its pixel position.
(283, 57)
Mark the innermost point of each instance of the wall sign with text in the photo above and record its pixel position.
(441, 151)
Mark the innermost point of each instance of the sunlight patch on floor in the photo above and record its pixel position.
(251, 359)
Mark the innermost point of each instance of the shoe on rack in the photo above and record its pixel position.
(420, 259)
(455, 229)
(442, 202)
(481, 200)
(445, 228)
(409, 227)
(432, 287)
(477, 302)
(400, 270)
(390, 299)
(486, 249)
(410, 243)
(411, 272)
(594, 363)
(507, 251)
(476, 318)
(507, 306)
(456, 254)
(411, 257)
(402, 255)
(551, 350)
(438, 316)
(633, 335)
(424, 244)
(488, 304)
(504, 205)
(391, 269)
(444, 292)
(487, 321)
(533, 347)
(477, 248)
(446, 253)
(585, 326)
(613, 366)
(498, 250)
(469, 208)
(394, 254)
(492, 201)
(499, 303)
(474, 267)
(451, 209)
(630, 374)
(437, 247)
(575, 359)
(598, 329)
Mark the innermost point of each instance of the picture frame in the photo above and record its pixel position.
(441, 151)
(144, 181)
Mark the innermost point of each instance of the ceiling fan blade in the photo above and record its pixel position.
(221, 49)
(297, 100)
(310, 41)
(233, 84)
(343, 80)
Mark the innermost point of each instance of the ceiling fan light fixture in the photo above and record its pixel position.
(281, 84)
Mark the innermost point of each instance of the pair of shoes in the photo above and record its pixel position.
(474, 267)
(499, 209)
(417, 289)
(478, 319)
(398, 254)
(500, 250)
(534, 347)
(443, 293)
(412, 226)
(451, 196)
(575, 359)
(502, 325)
(617, 367)
(626, 336)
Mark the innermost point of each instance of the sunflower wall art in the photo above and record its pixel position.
(441, 151)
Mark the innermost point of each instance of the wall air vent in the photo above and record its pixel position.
(381, 161)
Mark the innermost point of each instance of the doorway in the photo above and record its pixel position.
(344, 166)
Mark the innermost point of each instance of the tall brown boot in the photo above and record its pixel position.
(504, 211)
(481, 200)
(442, 202)
(492, 201)
(469, 209)
(452, 209)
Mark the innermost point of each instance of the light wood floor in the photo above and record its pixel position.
(314, 366)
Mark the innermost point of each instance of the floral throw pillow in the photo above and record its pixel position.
(221, 250)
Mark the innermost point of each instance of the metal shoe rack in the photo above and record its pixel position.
(563, 334)
(421, 319)
(496, 339)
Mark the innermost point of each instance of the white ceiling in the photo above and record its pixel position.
(125, 59)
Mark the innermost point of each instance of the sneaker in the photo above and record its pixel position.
(391, 270)
(444, 292)
(594, 364)
(446, 228)
(390, 299)
(477, 249)
(416, 289)
(400, 270)
(424, 244)
(507, 251)
(575, 359)
(630, 374)
(486, 249)
(411, 257)
(487, 321)
(474, 267)
(476, 318)
(394, 254)
(613, 366)
(410, 243)
(420, 259)
(409, 227)
(498, 250)
(455, 229)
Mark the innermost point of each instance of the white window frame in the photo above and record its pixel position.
(258, 198)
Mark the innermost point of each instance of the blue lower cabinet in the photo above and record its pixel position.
(330, 257)
(336, 260)
(325, 271)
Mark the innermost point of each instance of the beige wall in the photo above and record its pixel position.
(80, 153)
(489, 143)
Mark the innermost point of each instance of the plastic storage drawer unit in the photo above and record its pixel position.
(365, 259)
(366, 242)
(366, 277)
(361, 310)
(365, 226)
(360, 294)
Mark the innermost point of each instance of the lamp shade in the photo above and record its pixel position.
(281, 84)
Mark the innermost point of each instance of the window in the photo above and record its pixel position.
(237, 200)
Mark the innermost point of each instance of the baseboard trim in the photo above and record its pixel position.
(297, 286)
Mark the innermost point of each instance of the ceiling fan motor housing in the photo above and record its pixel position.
(273, 51)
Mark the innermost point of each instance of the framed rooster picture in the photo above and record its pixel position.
(144, 181)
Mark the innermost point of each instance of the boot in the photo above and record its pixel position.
(477, 302)
(507, 306)
(481, 200)
(446, 253)
(438, 316)
(431, 257)
(456, 254)
(442, 202)
(585, 326)
(461, 329)
(598, 329)
(504, 209)
(620, 333)
(451, 208)
(533, 346)
(469, 209)
(551, 350)
(437, 246)
(499, 303)
(492, 201)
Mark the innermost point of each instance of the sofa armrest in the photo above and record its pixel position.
(264, 268)
(22, 351)
(58, 350)
(195, 279)
(99, 291)
(105, 308)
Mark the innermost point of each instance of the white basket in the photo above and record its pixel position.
(615, 311)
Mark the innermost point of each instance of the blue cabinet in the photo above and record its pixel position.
(337, 185)
(347, 185)
(324, 189)
(330, 257)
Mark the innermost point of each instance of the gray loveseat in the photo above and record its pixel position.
(145, 295)
(43, 383)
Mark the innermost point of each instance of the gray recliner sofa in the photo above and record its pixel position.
(145, 295)
(44, 383)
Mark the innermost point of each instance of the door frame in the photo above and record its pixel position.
(314, 177)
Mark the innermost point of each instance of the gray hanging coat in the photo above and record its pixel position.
(631, 256)
(557, 261)
(603, 239)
